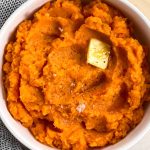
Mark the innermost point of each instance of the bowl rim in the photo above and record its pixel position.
(10, 128)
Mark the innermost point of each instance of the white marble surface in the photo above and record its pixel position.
(144, 6)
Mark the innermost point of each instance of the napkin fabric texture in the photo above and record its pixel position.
(7, 141)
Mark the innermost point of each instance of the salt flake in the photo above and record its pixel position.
(80, 108)
(54, 74)
(60, 29)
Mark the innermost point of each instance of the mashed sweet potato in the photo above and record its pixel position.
(65, 102)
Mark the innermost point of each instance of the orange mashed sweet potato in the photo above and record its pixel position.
(65, 102)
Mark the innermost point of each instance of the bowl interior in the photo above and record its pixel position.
(21, 133)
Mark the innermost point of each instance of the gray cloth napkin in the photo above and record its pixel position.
(7, 141)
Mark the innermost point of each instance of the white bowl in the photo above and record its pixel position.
(21, 133)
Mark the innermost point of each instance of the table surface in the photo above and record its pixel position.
(144, 6)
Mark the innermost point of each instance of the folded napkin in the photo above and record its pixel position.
(7, 141)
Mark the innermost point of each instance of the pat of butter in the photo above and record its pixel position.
(98, 53)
